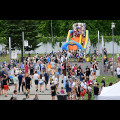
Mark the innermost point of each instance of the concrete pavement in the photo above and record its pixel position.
(47, 94)
(42, 96)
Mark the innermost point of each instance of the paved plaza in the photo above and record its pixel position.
(47, 94)
(42, 96)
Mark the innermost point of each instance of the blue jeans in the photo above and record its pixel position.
(59, 70)
(96, 97)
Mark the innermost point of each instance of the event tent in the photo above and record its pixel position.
(110, 92)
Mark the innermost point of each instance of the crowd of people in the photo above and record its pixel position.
(3, 52)
(77, 84)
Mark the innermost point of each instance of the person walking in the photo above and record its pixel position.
(68, 90)
(31, 70)
(36, 78)
(53, 90)
(20, 77)
(28, 82)
(41, 82)
(46, 79)
(15, 79)
(5, 85)
(23, 84)
(26, 68)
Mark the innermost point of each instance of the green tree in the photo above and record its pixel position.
(14, 29)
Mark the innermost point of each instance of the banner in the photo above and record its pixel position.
(13, 54)
(25, 43)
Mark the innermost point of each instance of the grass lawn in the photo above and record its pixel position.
(100, 58)
(3, 59)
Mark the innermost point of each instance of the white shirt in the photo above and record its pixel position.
(111, 68)
(53, 77)
(42, 80)
(84, 85)
(16, 71)
(74, 84)
(118, 71)
(56, 81)
(36, 76)
(89, 88)
(62, 59)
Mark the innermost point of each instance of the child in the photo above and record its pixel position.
(73, 93)
(15, 79)
(62, 91)
(82, 93)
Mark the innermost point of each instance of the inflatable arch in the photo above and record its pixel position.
(79, 46)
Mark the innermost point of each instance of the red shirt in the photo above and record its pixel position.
(26, 68)
(75, 68)
(82, 93)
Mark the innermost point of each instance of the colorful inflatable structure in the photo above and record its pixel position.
(78, 38)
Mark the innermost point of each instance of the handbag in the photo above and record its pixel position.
(63, 67)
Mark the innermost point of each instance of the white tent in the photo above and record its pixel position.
(110, 92)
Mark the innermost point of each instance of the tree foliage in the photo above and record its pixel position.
(40, 31)
(14, 29)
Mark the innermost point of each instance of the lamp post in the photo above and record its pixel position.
(112, 27)
(23, 42)
(10, 48)
(102, 53)
(51, 31)
(22, 58)
(98, 45)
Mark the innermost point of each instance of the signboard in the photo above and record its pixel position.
(13, 54)
(25, 43)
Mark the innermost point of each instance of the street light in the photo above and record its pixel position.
(98, 45)
(112, 27)
(10, 48)
(51, 31)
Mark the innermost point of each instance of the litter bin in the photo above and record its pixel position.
(98, 72)
(62, 96)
